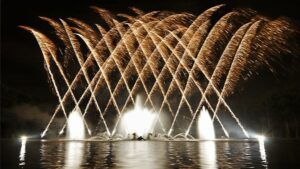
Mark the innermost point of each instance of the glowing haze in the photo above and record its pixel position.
(139, 120)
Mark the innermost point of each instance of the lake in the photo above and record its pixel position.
(150, 154)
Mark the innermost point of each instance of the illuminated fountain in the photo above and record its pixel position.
(139, 120)
(205, 125)
(75, 129)
(168, 57)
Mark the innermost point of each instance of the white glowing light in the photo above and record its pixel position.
(61, 132)
(205, 125)
(260, 138)
(23, 138)
(43, 134)
(140, 120)
(75, 125)
(261, 141)
(22, 150)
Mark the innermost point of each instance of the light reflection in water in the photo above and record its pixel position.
(74, 155)
(262, 151)
(100, 154)
(144, 154)
(52, 154)
(207, 153)
(22, 152)
(137, 155)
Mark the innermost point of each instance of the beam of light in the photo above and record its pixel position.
(47, 47)
(186, 67)
(223, 62)
(76, 47)
(43, 41)
(117, 60)
(200, 89)
(142, 71)
(148, 58)
(61, 33)
(205, 126)
(68, 85)
(108, 43)
(184, 93)
(75, 128)
(22, 151)
(92, 85)
(239, 59)
(112, 55)
(159, 81)
(164, 56)
(76, 79)
(186, 37)
(174, 77)
(124, 36)
(139, 120)
(207, 44)
(112, 93)
(183, 98)
(94, 53)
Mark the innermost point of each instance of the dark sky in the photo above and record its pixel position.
(23, 78)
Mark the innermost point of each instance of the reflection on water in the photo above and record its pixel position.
(52, 154)
(143, 154)
(207, 153)
(262, 151)
(237, 155)
(182, 155)
(74, 155)
(22, 152)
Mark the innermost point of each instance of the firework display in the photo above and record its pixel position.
(172, 58)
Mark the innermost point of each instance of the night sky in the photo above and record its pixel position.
(27, 101)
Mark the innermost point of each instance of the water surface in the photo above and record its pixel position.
(150, 154)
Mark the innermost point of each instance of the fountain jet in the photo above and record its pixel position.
(75, 125)
(205, 125)
(139, 120)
